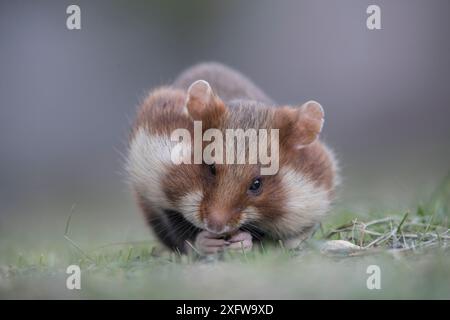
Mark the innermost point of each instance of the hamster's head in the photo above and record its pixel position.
(231, 191)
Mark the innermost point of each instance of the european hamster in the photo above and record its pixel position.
(214, 206)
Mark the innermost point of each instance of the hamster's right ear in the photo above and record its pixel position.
(202, 104)
(300, 126)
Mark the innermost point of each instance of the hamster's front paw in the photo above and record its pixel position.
(209, 243)
(242, 240)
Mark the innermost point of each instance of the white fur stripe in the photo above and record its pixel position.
(189, 206)
(148, 159)
(306, 204)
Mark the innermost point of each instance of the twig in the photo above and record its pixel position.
(194, 248)
(73, 243)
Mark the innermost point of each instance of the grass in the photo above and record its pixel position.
(411, 249)
(394, 234)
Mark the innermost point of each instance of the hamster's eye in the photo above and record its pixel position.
(212, 169)
(256, 187)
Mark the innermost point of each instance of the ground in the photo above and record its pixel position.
(119, 259)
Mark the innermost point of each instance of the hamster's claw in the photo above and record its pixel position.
(209, 243)
(241, 241)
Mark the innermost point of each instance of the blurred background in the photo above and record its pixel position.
(67, 97)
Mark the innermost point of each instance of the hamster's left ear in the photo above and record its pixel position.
(299, 126)
(203, 105)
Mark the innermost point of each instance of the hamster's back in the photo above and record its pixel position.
(227, 83)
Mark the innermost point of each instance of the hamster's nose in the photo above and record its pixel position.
(216, 222)
(216, 228)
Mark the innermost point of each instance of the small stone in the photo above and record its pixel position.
(339, 247)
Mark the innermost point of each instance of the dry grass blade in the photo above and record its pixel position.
(393, 233)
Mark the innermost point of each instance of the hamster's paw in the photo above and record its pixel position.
(209, 243)
(242, 240)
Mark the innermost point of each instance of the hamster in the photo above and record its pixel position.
(216, 206)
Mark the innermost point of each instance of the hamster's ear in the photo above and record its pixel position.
(202, 104)
(299, 126)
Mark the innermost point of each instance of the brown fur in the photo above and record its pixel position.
(162, 112)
